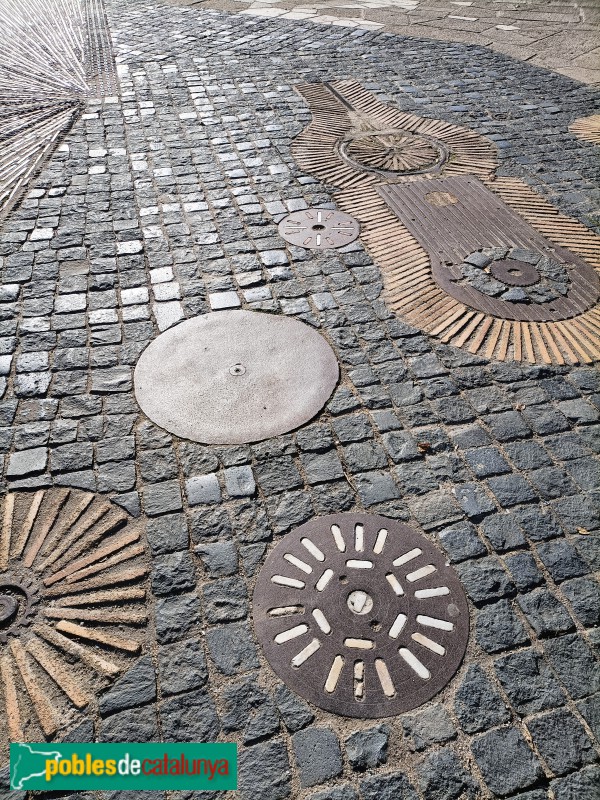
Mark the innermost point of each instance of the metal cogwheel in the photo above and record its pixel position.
(319, 228)
(361, 615)
(18, 596)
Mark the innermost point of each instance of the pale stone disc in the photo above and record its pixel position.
(235, 376)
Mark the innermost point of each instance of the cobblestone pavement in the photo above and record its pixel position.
(161, 204)
(556, 34)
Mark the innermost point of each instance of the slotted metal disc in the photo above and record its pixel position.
(361, 615)
(319, 228)
(235, 376)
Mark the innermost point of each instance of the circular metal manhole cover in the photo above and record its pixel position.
(231, 377)
(319, 228)
(361, 615)
(394, 152)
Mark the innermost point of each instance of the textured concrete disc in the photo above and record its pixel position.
(235, 376)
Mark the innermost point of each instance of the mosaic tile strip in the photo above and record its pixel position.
(587, 128)
(72, 611)
(340, 109)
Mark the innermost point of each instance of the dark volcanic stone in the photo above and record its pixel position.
(135, 688)
(575, 664)
(181, 667)
(368, 748)
(441, 776)
(477, 704)
(461, 542)
(391, 786)
(225, 600)
(295, 713)
(430, 726)
(132, 725)
(561, 741)
(498, 628)
(173, 573)
(232, 649)
(545, 613)
(485, 580)
(264, 772)
(579, 786)
(584, 596)
(529, 682)
(506, 761)
(175, 616)
(190, 717)
(318, 755)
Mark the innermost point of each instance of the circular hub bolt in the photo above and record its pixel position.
(360, 602)
(8, 609)
(237, 369)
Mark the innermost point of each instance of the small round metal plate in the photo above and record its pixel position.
(361, 615)
(235, 376)
(515, 273)
(319, 228)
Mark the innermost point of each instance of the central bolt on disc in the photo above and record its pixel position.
(361, 615)
(183, 380)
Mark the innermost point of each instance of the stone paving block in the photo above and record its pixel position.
(173, 573)
(584, 596)
(578, 785)
(461, 542)
(317, 754)
(387, 786)
(189, 717)
(477, 704)
(498, 628)
(295, 713)
(239, 482)
(175, 616)
(232, 649)
(135, 688)
(524, 571)
(442, 776)
(575, 665)
(485, 580)
(219, 559)
(203, 489)
(181, 667)
(545, 613)
(345, 792)
(167, 533)
(162, 498)
(561, 741)
(225, 600)
(132, 725)
(561, 560)
(430, 726)
(27, 462)
(528, 682)
(264, 772)
(367, 749)
(506, 761)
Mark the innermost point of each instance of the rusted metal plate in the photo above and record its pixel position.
(479, 221)
(72, 606)
(319, 228)
(361, 615)
(235, 376)
(394, 152)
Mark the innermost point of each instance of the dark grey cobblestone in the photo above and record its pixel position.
(494, 461)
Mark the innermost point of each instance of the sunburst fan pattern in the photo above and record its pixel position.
(72, 610)
(53, 54)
